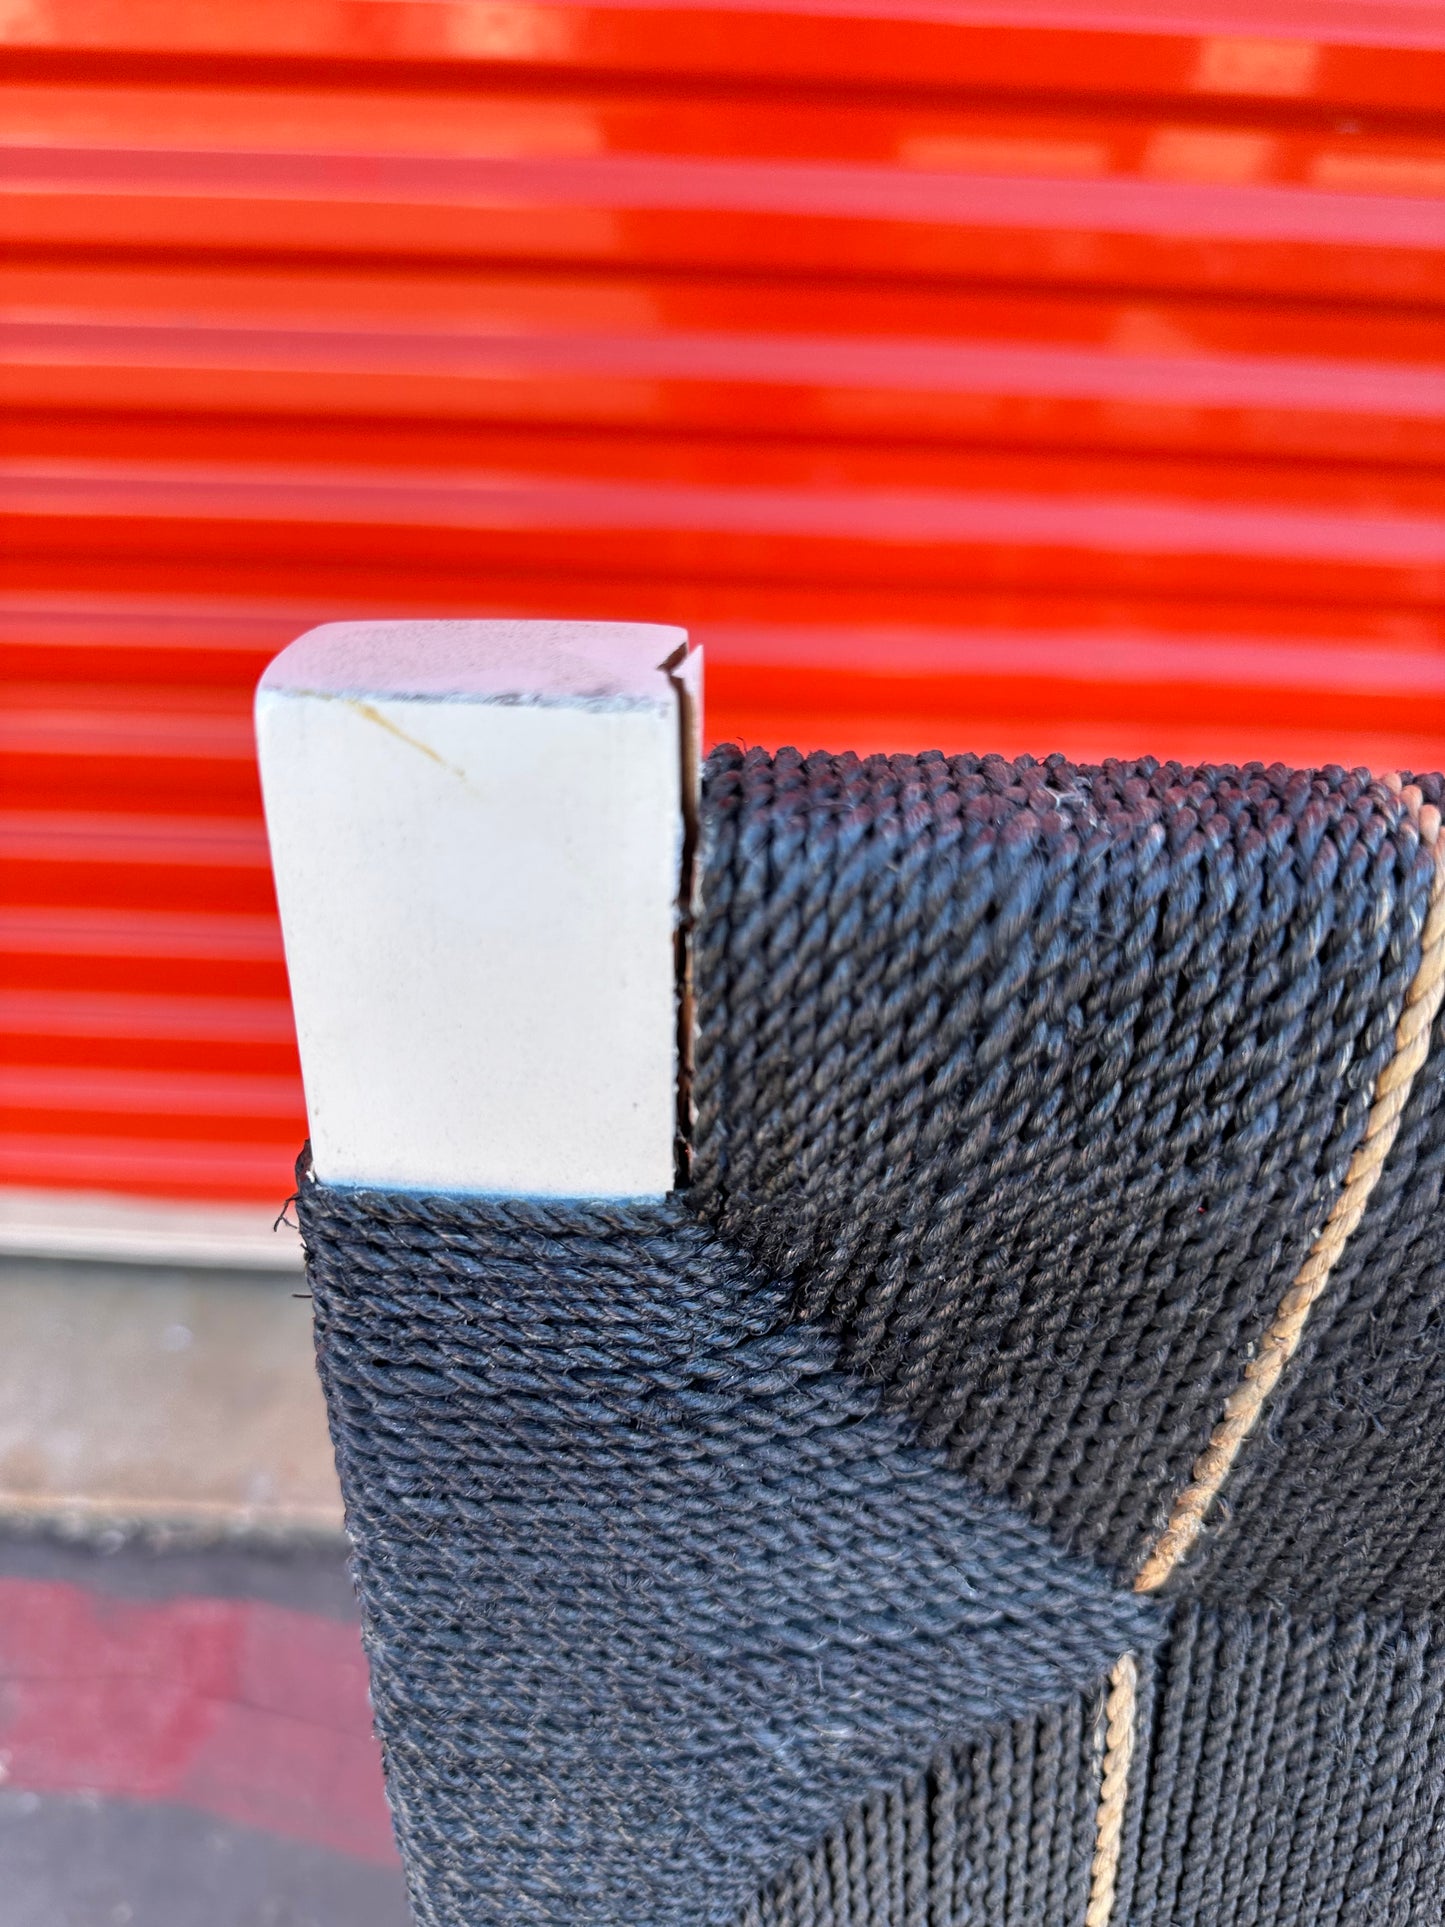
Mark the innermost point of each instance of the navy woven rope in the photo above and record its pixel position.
(652, 1592)
(1290, 1772)
(1297, 1774)
(1038, 1081)
(756, 1559)
(997, 1832)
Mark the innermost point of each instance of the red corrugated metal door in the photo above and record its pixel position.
(1015, 376)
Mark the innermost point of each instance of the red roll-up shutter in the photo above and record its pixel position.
(1006, 376)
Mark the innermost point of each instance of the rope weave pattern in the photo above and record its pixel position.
(997, 1833)
(1296, 1773)
(1280, 1343)
(652, 1593)
(1281, 1340)
(1020, 1088)
(823, 805)
(1336, 1502)
(1291, 1773)
(1035, 1080)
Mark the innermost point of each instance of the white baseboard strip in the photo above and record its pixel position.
(116, 1229)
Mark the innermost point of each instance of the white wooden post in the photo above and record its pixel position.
(479, 836)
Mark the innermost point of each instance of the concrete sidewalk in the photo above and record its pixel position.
(185, 1735)
(180, 1399)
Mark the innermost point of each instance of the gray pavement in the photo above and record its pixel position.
(184, 1734)
(86, 1859)
(84, 1862)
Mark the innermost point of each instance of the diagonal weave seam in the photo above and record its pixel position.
(1028, 1076)
(593, 1467)
(1278, 1346)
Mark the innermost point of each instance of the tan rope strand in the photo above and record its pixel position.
(1119, 1717)
(1277, 1347)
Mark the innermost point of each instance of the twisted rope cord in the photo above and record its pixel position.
(1119, 1716)
(1281, 1340)
(1278, 1346)
(593, 1466)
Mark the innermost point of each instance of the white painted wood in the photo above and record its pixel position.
(477, 836)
